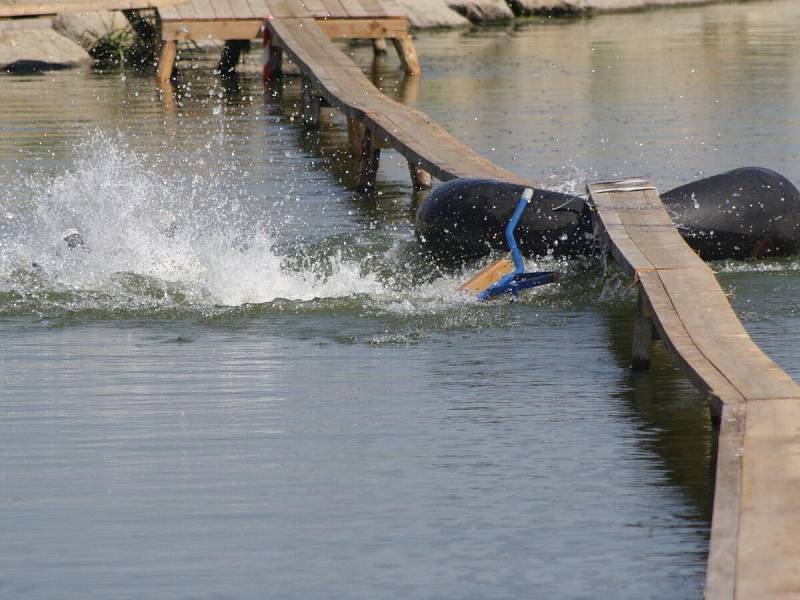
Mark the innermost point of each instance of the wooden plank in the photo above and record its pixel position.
(241, 9)
(769, 529)
(756, 521)
(353, 9)
(203, 10)
(335, 9)
(21, 9)
(223, 10)
(260, 8)
(390, 8)
(39, 22)
(186, 11)
(488, 276)
(316, 8)
(363, 28)
(217, 30)
(287, 9)
(168, 13)
(373, 9)
(721, 572)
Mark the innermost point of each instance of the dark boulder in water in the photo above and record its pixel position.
(744, 213)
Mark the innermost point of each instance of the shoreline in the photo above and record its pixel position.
(73, 37)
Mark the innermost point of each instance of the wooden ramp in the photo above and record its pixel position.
(755, 534)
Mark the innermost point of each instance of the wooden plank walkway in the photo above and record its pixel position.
(755, 535)
(26, 8)
(375, 121)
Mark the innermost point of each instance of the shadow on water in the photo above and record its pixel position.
(665, 404)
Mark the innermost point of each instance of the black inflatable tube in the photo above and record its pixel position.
(745, 213)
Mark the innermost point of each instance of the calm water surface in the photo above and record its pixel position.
(253, 384)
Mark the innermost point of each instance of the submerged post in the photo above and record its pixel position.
(355, 133)
(642, 336)
(166, 61)
(273, 55)
(231, 53)
(370, 159)
(407, 53)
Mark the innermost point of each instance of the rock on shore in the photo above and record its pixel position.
(486, 11)
(87, 29)
(482, 11)
(424, 14)
(37, 50)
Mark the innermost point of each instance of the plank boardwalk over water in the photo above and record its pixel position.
(755, 534)
(342, 84)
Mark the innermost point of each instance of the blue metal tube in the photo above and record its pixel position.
(519, 279)
(527, 196)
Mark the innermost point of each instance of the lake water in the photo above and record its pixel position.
(253, 384)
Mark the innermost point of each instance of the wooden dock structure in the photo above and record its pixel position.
(755, 532)
(234, 21)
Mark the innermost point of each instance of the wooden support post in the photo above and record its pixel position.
(370, 159)
(379, 47)
(275, 60)
(311, 105)
(355, 133)
(642, 337)
(166, 62)
(407, 53)
(420, 178)
(231, 52)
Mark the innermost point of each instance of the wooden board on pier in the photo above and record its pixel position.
(756, 522)
(27, 8)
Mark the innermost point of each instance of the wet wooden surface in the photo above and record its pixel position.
(755, 529)
(213, 10)
(20, 8)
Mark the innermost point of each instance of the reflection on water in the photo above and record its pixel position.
(252, 382)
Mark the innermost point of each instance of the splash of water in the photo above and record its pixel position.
(149, 230)
(161, 237)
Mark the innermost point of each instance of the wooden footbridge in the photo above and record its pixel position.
(755, 530)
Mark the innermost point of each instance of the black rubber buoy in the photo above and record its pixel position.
(745, 213)
(464, 219)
